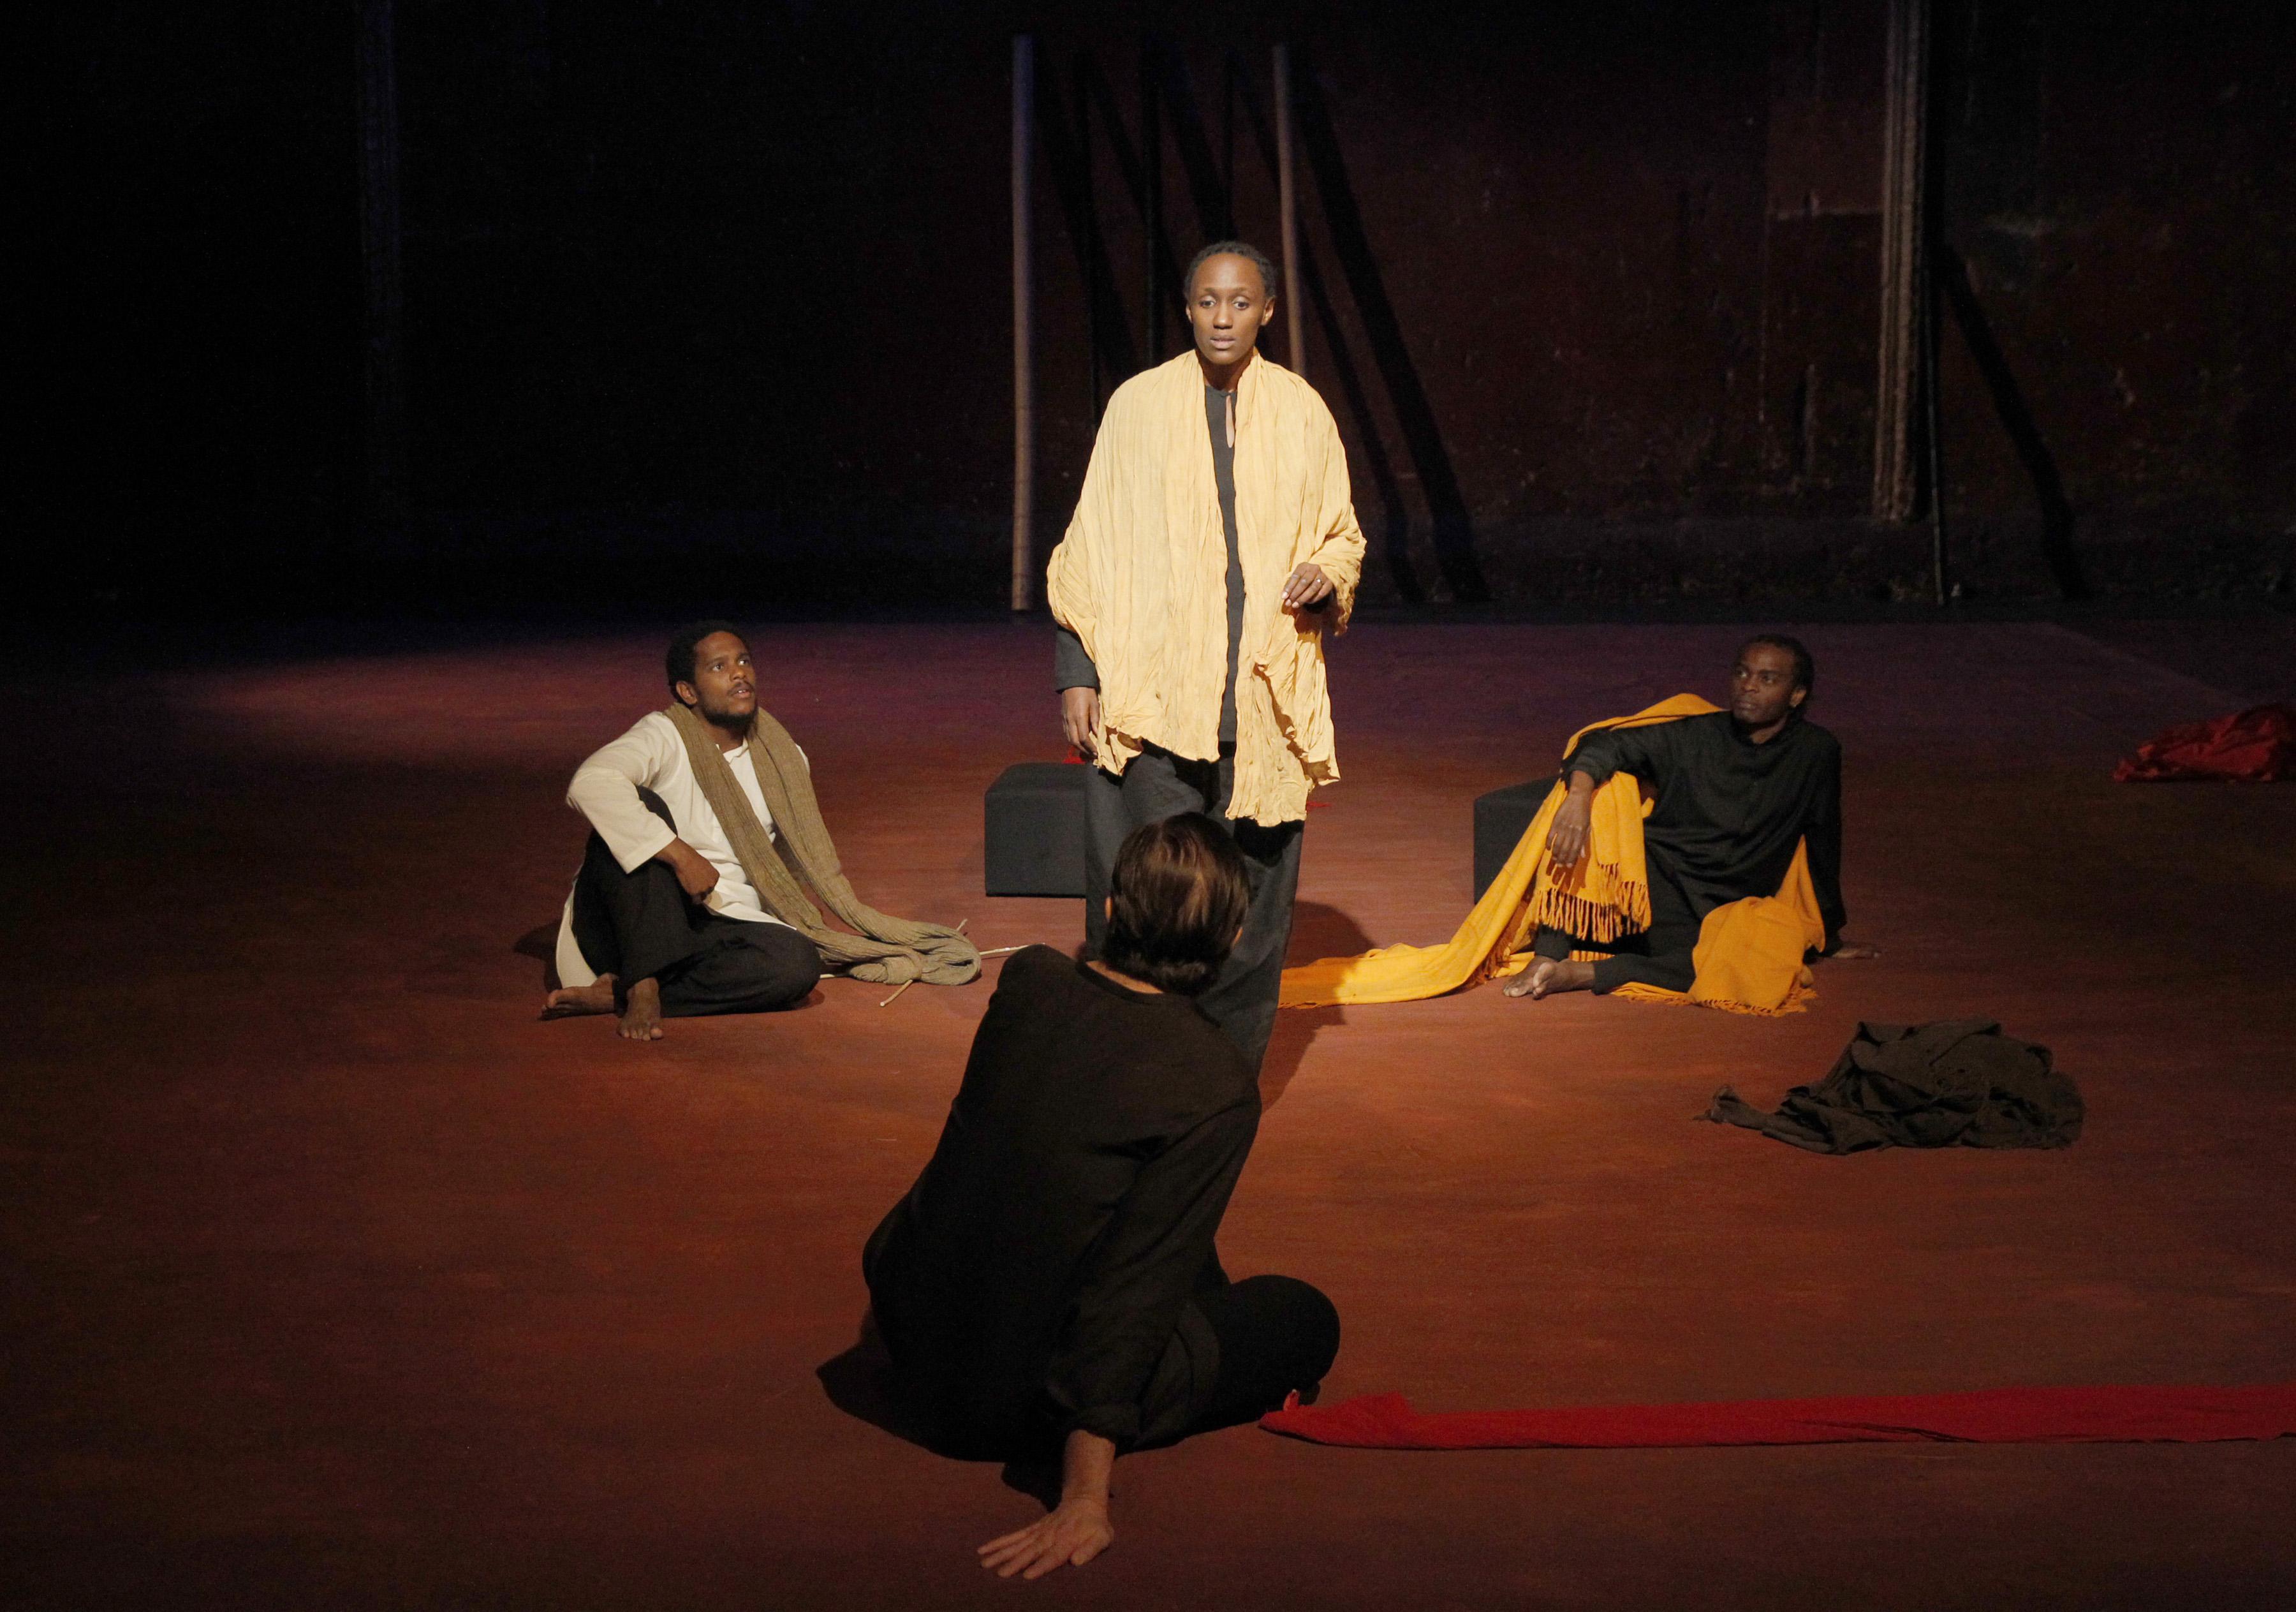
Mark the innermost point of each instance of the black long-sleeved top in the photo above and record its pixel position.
(1729, 811)
(1033, 1275)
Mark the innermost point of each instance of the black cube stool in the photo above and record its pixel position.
(1500, 819)
(1035, 829)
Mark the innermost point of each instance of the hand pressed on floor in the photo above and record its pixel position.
(1547, 976)
(1073, 1532)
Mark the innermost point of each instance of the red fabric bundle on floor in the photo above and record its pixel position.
(2254, 746)
(1991, 1415)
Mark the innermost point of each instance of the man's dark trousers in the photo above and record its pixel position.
(642, 925)
(1158, 784)
(1661, 955)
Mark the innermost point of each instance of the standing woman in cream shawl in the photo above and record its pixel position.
(1214, 545)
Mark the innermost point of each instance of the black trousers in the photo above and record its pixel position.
(642, 925)
(1237, 1350)
(1661, 955)
(1158, 784)
(1276, 1335)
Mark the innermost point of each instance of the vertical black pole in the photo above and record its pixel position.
(1227, 146)
(1024, 389)
(1092, 287)
(1933, 431)
(1287, 206)
(1151, 176)
(380, 247)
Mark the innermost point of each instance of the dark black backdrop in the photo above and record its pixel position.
(711, 300)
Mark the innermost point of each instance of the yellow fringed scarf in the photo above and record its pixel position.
(1749, 955)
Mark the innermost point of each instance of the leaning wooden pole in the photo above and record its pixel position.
(1904, 259)
(1024, 398)
(1287, 202)
(1933, 431)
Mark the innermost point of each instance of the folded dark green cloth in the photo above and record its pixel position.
(1959, 1083)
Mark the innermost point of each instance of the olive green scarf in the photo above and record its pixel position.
(873, 945)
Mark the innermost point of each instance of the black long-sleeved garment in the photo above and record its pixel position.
(1033, 1278)
(1729, 811)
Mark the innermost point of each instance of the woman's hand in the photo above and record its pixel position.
(1073, 1532)
(1306, 587)
(1079, 715)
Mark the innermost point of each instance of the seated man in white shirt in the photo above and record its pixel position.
(663, 922)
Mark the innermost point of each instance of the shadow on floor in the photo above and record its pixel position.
(1317, 930)
(860, 1383)
(541, 943)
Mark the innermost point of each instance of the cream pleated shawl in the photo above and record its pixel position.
(1142, 578)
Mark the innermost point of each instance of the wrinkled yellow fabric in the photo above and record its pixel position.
(1749, 957)
(1606, 895)
(1140, 578)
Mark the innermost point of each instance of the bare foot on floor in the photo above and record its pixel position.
(642, 1017)
(1546, 977)
(569, 1000)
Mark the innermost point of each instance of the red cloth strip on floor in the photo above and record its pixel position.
(2254, 746)
(1991, 1415)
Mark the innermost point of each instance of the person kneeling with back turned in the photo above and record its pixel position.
(1049, 1286)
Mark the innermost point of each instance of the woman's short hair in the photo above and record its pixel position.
(1176, 897)
(1245, 250)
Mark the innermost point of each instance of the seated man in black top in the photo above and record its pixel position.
(1048, 1287)
(1735, 791)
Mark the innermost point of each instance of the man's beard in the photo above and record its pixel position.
(725, 716)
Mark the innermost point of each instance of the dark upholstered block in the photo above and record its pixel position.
(1500, 819)
(1034, 813)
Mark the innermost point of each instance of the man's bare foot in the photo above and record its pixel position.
(642, 1017)
(1853, 951)
(1546, 976)
(569, 1000)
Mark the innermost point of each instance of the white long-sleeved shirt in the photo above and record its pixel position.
(651, 755)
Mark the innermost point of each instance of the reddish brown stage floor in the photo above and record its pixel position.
(335, 1279)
